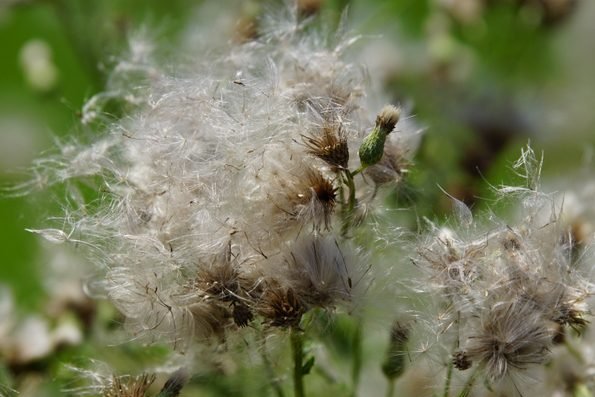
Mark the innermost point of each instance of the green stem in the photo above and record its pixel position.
(390, 390)
(469, 385)
(356, 369)
(451, 363)
(574, 352)
(297, 350)
(357, 171)
(448, 379)
(350, 206)
(274, 381)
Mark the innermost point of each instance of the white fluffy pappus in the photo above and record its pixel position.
(226, 158)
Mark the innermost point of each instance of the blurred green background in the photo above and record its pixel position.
(482, 77)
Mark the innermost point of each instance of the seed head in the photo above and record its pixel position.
(242, 315)
(219, 280)
(280, 306)
(330, 145)
(306, 196)
(511, 337)
(319, 273)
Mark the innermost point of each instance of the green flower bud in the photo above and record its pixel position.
(394, 363)
(372, 148)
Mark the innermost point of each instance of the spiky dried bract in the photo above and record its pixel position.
(299, 197)
(511, 336)
(316, 198)
(280, 306)
(174, 384)
(129, 386)
(329, 144)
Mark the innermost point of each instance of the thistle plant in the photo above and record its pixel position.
(242, 198)
(508, 294)
(226, 199)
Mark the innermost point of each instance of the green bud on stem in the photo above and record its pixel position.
(372, 147)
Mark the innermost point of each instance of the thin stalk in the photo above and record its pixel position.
(273, 380)
(574, 351)
(297, 351)
(469, 385)
(448, 379)
(451, 363)
(390, 390)
(356, 369)
(349, 208)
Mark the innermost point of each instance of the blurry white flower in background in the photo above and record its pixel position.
(37, 65)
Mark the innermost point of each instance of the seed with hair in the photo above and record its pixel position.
(173, 386)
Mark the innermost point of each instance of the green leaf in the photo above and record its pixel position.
(308, 366)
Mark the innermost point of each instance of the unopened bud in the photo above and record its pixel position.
(372, 148)
(394, 363)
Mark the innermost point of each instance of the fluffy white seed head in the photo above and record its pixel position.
(218, 171)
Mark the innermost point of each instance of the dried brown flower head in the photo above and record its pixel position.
(242, 315)
(329, 144)
(280, 306)
(568, 313)
(308, 196)
(220, 280)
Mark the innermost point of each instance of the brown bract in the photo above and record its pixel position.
(280, 306)
(330, 145)
(307, 196)
(130, 386)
